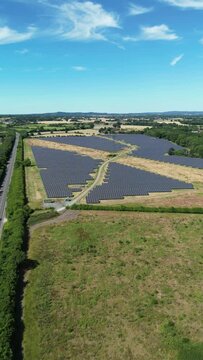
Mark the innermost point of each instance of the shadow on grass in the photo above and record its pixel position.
(17, 339)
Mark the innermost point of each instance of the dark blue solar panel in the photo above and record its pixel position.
(92, 142)
(124, 181)
(157, 149)
(62, 168)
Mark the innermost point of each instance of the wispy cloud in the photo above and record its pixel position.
(79, 68)
(84, 21)
(190, 4)
(138, 10)
(201, 41)
(176, 60)
(11, 36)
(152, 33)
(22, 52)
(30, 70)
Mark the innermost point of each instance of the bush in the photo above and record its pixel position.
(27, 162)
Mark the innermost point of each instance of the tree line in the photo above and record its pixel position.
(188, 137)
(6, 147)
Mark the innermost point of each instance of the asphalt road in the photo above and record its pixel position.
(5, 185)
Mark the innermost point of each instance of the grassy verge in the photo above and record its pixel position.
(115, 286)
(34, 185)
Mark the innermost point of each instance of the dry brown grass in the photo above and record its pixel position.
(171, 121)
(54, 122)
(96, 154)
(86, 132)
(135, 127)
(176, 198)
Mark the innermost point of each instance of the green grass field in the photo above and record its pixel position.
(115, 286)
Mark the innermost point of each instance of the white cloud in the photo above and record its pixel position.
(79, 68)
(186, 4)
(22, 52)
(176, 60)
(10, 36)
(138, 10)
(201, 41)
(84, 21)
(152, 33)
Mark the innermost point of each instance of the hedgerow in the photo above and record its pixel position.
(12, 254)
(182, 210)
(5, 151)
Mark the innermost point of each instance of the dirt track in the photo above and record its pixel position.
(68, 215)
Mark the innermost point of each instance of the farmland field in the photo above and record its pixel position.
(115, 286)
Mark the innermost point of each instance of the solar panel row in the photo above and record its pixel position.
(92, 142)
(127, 181)
(157, 149)
(62, 168)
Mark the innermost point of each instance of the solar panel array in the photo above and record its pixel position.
(122, 180)
(92, 142)
(156, 149)
(59, 169)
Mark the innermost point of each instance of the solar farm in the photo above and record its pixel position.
(124, 181)
(66, 174)
(92, 142)
(157, 149)
(61, 169)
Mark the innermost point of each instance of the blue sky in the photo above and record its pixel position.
(105, 55)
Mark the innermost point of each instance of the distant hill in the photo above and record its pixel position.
(166, 113)
(92, 114)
